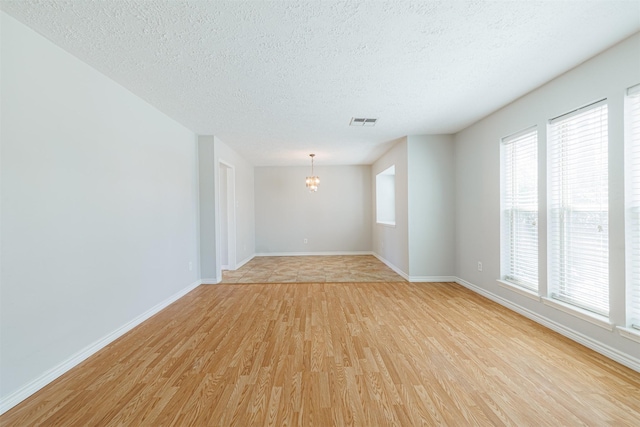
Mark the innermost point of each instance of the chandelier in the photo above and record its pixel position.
(312, 181)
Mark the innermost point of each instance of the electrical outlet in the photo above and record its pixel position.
(306, 241)
(479, 266)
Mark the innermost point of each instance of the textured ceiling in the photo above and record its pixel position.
(279, 80)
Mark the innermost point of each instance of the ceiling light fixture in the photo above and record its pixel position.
(312, 181)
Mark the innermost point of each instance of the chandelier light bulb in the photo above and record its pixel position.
(312, 181)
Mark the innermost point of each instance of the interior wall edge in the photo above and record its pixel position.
(389, 264)
(244, 261)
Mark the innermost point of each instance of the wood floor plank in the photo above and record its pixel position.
(321, 354)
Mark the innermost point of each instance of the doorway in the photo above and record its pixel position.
(227, 215)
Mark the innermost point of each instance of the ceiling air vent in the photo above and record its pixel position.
(361, 121)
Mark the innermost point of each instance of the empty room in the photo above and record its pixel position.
(319, 213)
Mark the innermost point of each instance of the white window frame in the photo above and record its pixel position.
(632, 202)
(519, 209)
(386, 197)
(578, 254)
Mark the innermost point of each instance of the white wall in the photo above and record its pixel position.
(207, 208)
(477, 163)
(431, 210)
(99, 207)
(243, 179)
(420, 246)
(337, 218)
(391, 243)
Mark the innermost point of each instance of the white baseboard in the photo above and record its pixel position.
(27, 390)
(389, 264)
(244, 261)
(211, 281)
(620, 357)
(315, 253)
(413, 279)
(432, 278)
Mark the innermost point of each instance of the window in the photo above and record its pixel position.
(519, 222)
(632, 157)
(578, 209)
(386, 196)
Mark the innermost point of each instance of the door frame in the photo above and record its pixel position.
(227, 200)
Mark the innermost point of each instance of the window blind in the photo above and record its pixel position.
(520, 209)
(578, 208)
(632, 121)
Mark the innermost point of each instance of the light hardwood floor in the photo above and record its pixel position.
(334, 354)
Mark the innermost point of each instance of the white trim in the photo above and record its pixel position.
(593, 318)
(632, 334)
(389, 264)
(519, 290)
(230, 203)
(579, 110)
(30, 388)
(510, 138)
(210, 281)
(314, 253)
(612, 353)
(244, 261)
(197, 225)
(439, 279)
(387, 223)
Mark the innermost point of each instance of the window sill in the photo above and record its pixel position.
(386, 224)
(588, 316)
(629, 333)
(519, 289)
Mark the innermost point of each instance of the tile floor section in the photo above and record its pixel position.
(317, 269)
